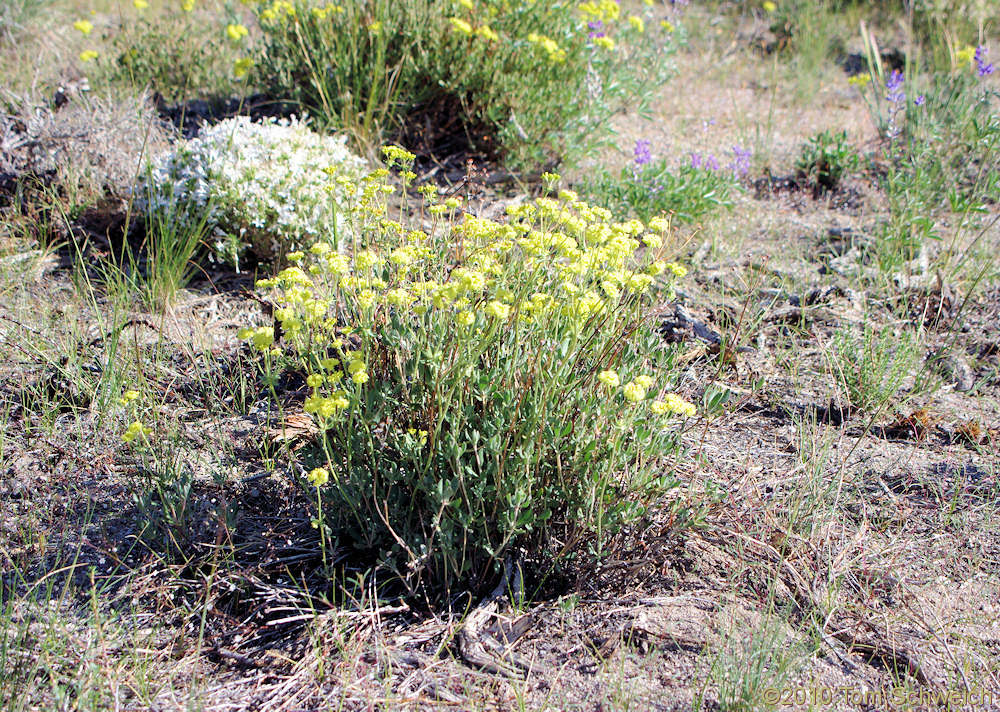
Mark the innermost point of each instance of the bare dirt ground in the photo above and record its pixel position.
(845, 559)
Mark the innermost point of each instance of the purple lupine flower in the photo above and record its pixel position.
(982, 67)
(741, 160)
(894, 84)
(919, 101)
(642, 153)
(710, 162)
(595, 29)
(696, 161)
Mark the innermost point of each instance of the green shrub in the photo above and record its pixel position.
(941, 135)
(527, 81)
(483, 386)
(180, 50)
(825, 159)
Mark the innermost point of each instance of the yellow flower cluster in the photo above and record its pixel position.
(461, 25)
(609, 379)
(602, 11)
(277, 9)
(236, 32)
(556, 54)
(241, 67)
(261, 337)
(553, 264)
(673, 403)
(964, 56)
(136, 430)
(318, 476)
(636, 390)
(419, 435)
(860, 80)
(323, 12)
(397, 156)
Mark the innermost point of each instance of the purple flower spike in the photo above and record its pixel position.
(982, 67)
(919, 101)
(894, 84)
(642, 153)
(696, 161)
(741, 160)
(711, 163)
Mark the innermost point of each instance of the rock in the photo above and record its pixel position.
(956, 369)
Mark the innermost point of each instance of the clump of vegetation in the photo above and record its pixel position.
(531, 82)
(940, 145)
(180, 50)
(688, 191)
(871, 369)
(481, 386)
(826, 158)
(262, 186)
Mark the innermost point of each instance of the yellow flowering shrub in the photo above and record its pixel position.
(531, 82)
(481, 384)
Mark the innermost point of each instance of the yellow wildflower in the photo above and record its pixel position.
(136, 430)
(241, 67)
(84, 26)
(497, 310)
(644, 381)
(673, 404)
(465, 318)
(660, 224)
(634, 392)
(487, 33)
(236, 32)
(87, 55)
(461, 26)
(262, 338)
(965, 56)
(860, 80)
(318, 477)
(609, 379)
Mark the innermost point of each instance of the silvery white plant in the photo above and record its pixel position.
(270, 187)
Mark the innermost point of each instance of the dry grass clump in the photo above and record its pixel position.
(84, 143)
